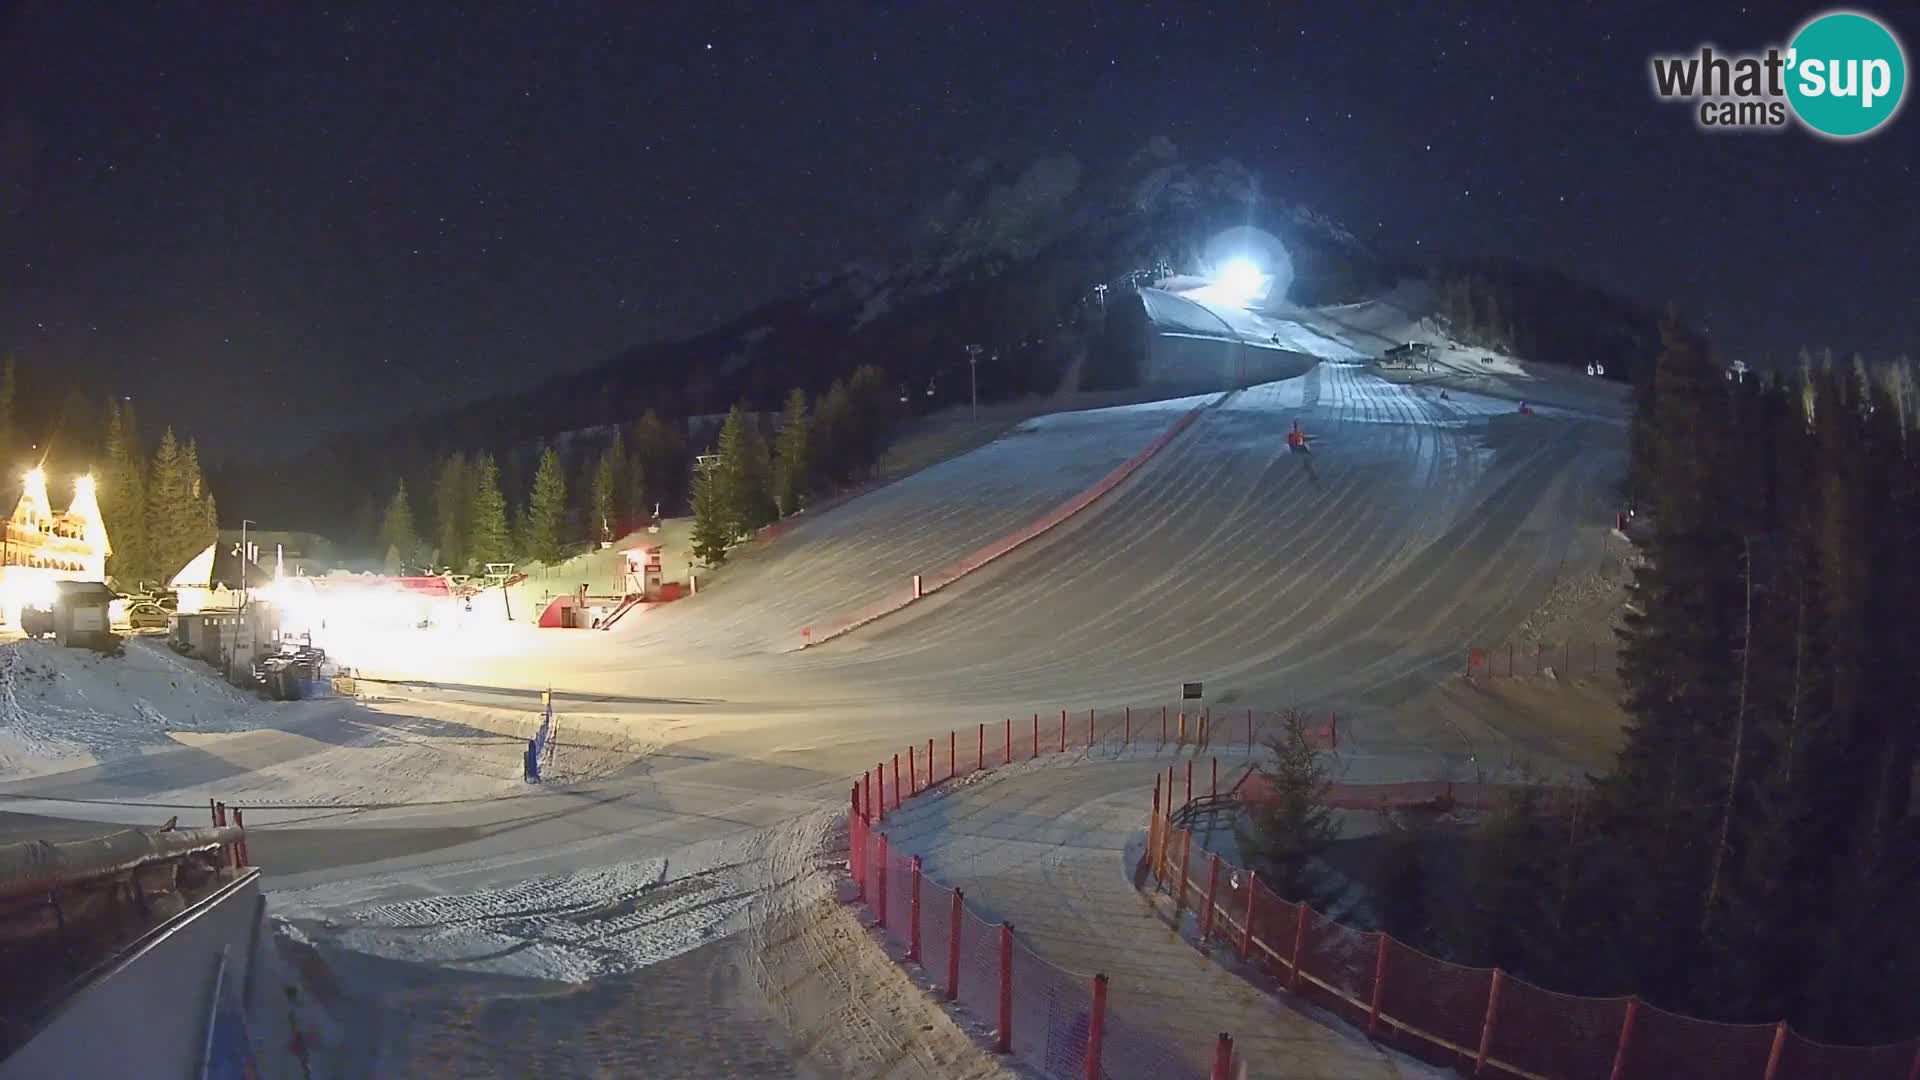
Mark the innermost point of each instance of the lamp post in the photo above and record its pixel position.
(244, 522)
(973, 377)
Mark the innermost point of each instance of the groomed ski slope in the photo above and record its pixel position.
(1349, 578)
(823, 567)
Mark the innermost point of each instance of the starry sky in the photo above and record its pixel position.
(267, 222)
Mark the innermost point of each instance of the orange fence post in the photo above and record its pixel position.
(1773, 1054)
(1186, 862)
(1126, 732)
(1246, 931)
(1299, 946)
(856, 854)
(866, 785)
(1249, 731)
(953, 753)
(880, 790)
(1379, 987)
(1089, 729)
(1215, 788)
(913, 913)
(1009, 760)
(1036, 738)
(880, 890)
(1153, 830)
(913, 772)
(953, 948)
(1063, 731)
(1333, 729)
(1486, 1026)
(1096, 1026)
(1182, 733)
(1223, 1058)
(1189, 780)
(896, 781)
(1163, 725)
(1003, 1040)
(980, 751)
(213, 814)
(1213, 887)
(1626, 1037)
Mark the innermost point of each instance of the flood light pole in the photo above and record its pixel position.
(973, 377)
(244, 522)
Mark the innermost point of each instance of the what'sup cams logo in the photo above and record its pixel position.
(1841, 76)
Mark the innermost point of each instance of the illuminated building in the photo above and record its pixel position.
(41, 546)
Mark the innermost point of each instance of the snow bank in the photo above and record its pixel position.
(64, 708)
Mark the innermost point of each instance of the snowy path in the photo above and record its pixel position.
(1047, 847)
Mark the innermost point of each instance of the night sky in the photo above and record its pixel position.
(264, 227)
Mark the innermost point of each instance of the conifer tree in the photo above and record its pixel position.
(122, 493)
(452, 502)
(489, 539)
(1679, 669)
(546, 515)
(170, 518)
(713, 519)
(1295, 823)
(398, 537)
(834, 440)
(604, 512)
(753, 474)
(793, 467)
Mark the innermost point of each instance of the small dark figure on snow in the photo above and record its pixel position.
(1297, 440)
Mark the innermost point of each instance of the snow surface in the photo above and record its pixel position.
(1351, 579)
(61, 708)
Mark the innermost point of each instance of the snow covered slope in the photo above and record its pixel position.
(61, 708)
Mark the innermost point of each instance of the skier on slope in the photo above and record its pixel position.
(1297, 440)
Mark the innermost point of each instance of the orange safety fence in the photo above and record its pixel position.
(1482, 1020)
(940, 577)
(1565, 659)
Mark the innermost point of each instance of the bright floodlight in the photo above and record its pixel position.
(1239, 280)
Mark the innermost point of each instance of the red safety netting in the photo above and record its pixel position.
(1804, 1059)
(1554, 1034)
(1441, 1006)
(1440, 1011)
(936, 924)
(1560, 659)
(1669, 1046)
(1052, 1015)
(1337, 965)
(1134, 1048)
(943, 576)
(980, 967)
(1274, 924)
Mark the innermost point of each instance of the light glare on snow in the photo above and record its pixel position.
(1239, 281)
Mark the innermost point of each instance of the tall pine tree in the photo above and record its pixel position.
(793, 469)
(123, 498)
(452, 503)
(489, 539)
(1664, 798)
(546, 519)
(172, 519)
(399, 540)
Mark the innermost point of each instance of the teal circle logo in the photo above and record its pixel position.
(1846, 74)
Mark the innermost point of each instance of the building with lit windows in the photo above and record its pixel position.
(40, 545)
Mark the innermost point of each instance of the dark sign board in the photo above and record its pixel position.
(1189, 691)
